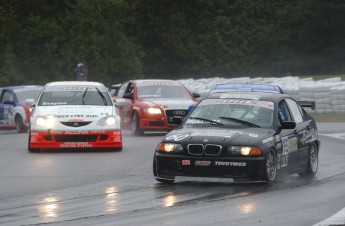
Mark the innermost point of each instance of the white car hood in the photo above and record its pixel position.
(65, 113)
(173, 104)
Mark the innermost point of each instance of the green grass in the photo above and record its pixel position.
(329, 117)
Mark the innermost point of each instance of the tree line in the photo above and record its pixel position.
(43, 40)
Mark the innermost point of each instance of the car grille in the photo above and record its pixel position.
(156, 123)
(212, 149)
(208, 149)
(195, 149)
(177, 112)
(75, 124)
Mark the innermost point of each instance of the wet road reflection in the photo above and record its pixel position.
(170, 199)
(48, 209)
(111, 199)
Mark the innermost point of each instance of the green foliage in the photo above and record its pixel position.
(42, 41)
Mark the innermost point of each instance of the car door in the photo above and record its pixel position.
(303, 130)
(289, 152)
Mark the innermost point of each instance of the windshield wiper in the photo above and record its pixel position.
(103, 97)
(207, 120)
(240, 121)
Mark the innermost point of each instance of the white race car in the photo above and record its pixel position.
(74, 115)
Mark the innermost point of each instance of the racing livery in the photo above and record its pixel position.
(74, 115)
(241, 135)
(153, 104)
(15, 110)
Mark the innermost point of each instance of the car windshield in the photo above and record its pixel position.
(76, 95)
(27, 93)
(163, 92)
(230, 112)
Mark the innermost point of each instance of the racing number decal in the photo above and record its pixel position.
(177, 137)
(285, 155)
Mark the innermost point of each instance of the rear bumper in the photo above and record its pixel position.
(89, 139)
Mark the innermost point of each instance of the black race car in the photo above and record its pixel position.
(241, 135)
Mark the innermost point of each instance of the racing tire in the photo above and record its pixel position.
(313, 162)
(136, 125)
(159, 179)
(270, 167)
(20, 127)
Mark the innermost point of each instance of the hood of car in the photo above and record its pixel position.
(220, 136)
(171, 104)
(82, 112)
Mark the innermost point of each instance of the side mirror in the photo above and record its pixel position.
(128, 96)
(288, 125)
(30, 102)
(196, 95)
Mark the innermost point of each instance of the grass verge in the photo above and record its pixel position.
(329, 117)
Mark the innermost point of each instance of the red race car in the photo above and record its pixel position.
(153, 104)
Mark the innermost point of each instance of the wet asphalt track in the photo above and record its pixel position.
(117, 188)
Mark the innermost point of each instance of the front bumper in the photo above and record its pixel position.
(156, 124)
(168, 166)
(75, 139)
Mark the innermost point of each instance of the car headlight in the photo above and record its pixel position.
(45, 121)
(169, 148)
(243, 150)
(107, 121)
(153, 111)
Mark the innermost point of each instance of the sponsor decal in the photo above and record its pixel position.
(289, 144)
(221, 133)
(165, 106)
(76, 132)
(264, 104)
(76, 145)
(241, 96)
(76, 116)
(221, 163)
(185, 162)
(214, 133)
(202, 163)
(75, 110)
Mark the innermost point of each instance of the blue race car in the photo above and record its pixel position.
(14, 109)
(246, 87)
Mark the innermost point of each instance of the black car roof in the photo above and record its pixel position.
(274, 97)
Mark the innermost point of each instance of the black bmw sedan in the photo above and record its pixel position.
(247, 136)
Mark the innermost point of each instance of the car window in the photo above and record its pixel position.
(53, 96)
(163, 92)
(27, 93)
(228, 112)
(295, 111)
(283, 112)
(6, 95)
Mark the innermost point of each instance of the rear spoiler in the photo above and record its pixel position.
(307, 104)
